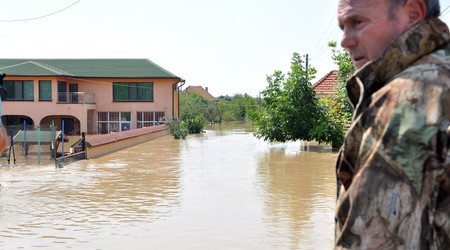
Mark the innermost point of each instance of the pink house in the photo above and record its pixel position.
(95, 96)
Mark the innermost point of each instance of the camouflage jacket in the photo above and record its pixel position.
(393, 171)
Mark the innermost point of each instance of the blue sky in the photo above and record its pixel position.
(229, 46)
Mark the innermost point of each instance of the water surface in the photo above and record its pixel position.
(223, 189)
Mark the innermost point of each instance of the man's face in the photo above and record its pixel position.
(369, 27)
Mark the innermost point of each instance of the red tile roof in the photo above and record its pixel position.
(327, 84)
(201, 91)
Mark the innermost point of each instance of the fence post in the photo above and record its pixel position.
(62, 139)
(25, 139)
(39, 145)
(83, 141)
(55, 140)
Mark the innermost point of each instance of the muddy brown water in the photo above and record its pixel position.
(223, 189)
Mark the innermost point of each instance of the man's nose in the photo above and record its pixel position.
(348, 40)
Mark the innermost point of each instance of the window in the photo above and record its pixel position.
(109, 122)
(62, 92)
(147, 119)
(45, 90)
(133, 92)
(19, 90)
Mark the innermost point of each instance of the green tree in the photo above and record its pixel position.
(330, 126)
(290, 107)
(192, 105)
(196, 111)
(238, 107)
(336, 109)
(193, 111)
(345, 70)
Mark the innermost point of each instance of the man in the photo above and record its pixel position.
(393, 170)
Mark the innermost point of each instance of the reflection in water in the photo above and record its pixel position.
(299, 194)
(222, 189)
(89, 202)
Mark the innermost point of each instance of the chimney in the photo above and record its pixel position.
(206, 88)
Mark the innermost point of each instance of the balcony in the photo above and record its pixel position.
(76, 98)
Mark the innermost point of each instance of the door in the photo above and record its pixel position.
(73, 92)
(62, 92)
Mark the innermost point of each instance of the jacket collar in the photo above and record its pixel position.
(420, 40)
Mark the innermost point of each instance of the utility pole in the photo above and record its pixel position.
(306, 67)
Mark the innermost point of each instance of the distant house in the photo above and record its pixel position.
(326, 85)
(96, 96)
(201, 91)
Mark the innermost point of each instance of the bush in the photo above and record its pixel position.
(178, 129)
(196, 125)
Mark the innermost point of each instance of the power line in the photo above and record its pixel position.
(39, 17)
(323, 52)
(335, 30)
(325, 32)
(442, 13)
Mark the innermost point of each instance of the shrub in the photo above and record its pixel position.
(178, 129)
(196, 125)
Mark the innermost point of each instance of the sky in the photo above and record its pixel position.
(229, 46)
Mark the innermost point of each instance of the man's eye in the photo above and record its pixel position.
(357, 22)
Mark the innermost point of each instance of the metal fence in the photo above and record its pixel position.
(76, 97)
(69, 158)
(42, 140)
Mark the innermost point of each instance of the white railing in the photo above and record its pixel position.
(76, 97)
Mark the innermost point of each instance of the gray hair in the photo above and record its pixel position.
(433, 7)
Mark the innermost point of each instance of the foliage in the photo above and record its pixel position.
(346, 70)
(197, 111)
(193, 105)
(336, 110)
(330, 127)
(223, 112)
(178, 129)
(195, 125)
(193, 111)
(238, 107)
(291, 111)
(290, 108)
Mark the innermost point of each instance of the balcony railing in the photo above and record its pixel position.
(76, 97)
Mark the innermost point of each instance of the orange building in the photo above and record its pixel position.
(95, 96)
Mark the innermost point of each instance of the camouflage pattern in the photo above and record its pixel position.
(393, 170)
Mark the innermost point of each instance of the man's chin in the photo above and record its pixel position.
(359, 63)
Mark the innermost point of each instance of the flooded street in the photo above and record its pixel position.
(223, 189)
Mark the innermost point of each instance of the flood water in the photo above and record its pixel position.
(223, 189)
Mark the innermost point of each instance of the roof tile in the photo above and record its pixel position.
(327, 84)
(201, 91)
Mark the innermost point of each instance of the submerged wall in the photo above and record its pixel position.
(98, 145)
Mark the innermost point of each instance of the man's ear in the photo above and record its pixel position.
(416, 11)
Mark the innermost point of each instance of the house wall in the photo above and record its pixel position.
(104, 93)
(38, 110)
(164, 97)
